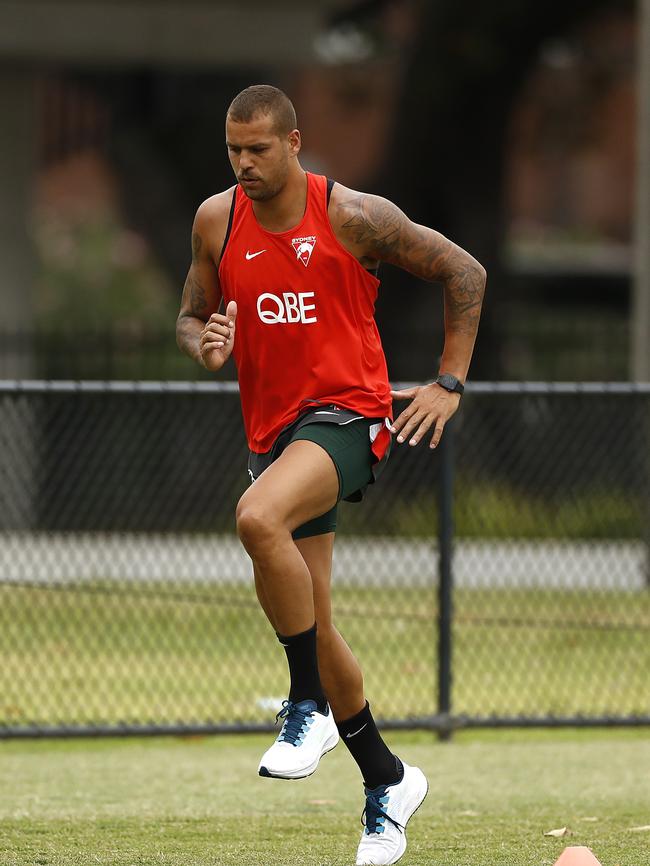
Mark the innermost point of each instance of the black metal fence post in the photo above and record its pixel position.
(445, 581)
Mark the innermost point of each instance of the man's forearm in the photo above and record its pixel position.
(188, 337)
(463, 295)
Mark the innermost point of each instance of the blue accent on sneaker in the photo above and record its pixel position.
(375, 811)
(298, 718)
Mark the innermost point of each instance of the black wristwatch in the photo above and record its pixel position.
(450, 383)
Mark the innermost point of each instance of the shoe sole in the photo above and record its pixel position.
(304, 774)
(403, 851)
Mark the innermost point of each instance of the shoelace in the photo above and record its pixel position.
(375, 813)
(295, 722)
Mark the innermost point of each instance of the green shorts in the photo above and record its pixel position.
(347, 437)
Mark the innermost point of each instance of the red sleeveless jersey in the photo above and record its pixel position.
(306, 332)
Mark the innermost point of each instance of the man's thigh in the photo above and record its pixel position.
(301, 484)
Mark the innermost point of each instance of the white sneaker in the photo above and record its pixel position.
(306, 736)
(387, 812)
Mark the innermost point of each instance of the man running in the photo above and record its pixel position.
(293, 256)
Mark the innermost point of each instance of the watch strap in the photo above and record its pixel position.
(450, 383)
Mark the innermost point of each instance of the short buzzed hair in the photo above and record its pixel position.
(266, 100)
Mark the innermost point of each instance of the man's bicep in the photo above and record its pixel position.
(426, 253)
(383, 232)
(201, 292)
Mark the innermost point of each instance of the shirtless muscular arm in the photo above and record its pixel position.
(375, 230)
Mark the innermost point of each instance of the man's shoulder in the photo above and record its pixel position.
(342, 199)
(215, 208)
(363, 222)
(344, 207)
(349, 207)
(211, 221)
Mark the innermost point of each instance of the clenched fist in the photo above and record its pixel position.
(218, 338)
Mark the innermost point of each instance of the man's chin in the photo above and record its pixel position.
(253, 193)
(257, 194)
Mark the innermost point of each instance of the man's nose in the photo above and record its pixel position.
(245, 161)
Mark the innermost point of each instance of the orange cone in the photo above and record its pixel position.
(577, 855)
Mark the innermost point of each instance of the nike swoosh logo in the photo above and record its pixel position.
(250, 255)
(347, 736)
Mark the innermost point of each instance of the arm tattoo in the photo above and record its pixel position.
(193, 290)
(381, 231)
(191, 318)
(373, 222)
(196, 246)
(463, 290)
(195, 293)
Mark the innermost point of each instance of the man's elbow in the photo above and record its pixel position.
(463, 265)
(478, 269)
(483, 273)
(179, 330)
(479, 274)
(182, 328)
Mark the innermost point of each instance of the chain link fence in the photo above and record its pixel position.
(127, 603)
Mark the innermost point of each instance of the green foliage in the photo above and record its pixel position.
(497, 510)
(95, 272)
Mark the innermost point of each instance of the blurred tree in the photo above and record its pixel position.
(446, 164)
(168, 147)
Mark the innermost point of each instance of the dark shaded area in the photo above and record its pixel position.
(125, 464)
(169, 149)
(174, 459)
(447, 159)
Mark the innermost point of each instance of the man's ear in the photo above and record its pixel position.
(295, 142)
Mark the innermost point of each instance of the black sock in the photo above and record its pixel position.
(303, 667)
(378, 765)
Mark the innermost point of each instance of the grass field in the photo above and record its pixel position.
(193, 653)
(185, 802)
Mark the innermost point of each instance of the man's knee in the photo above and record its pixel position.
(257, 526)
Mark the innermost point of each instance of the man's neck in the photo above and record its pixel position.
(287, 208)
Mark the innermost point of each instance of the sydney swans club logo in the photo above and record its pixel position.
(304, 247)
